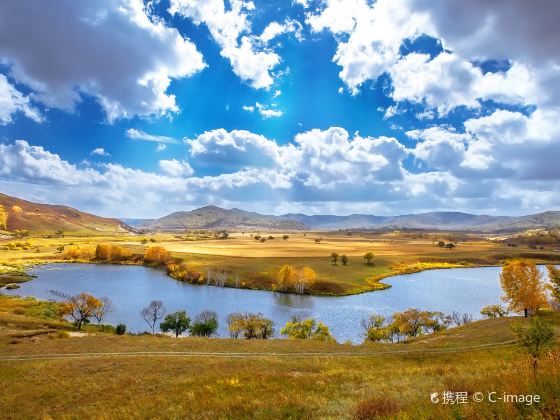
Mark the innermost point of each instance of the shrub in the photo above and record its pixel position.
(157, 255)
(378, 407)
(120, 329)
(205, 324)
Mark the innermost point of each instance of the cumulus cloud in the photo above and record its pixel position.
(13, 101)
(231, 29)
(111, 50)
(176, 167)
(268, 112)
(133, 133)
(100, 151)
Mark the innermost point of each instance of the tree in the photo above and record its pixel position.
(369, 258)
(523, 287)
(441, 244)
(285, 237)
(344, 259)
(177, 322)
(157, 255)
(308, 328)
(305, 278)
(205, 324)
(534, 339)
(285, 277)
(554, 286)
(153, 313)
(103, 309)
(120, 329)
(80, 307)
(450, 245)
(3, 218)
(494, 311)
(334, 258)
(411, 321)
(375, 328)
(250, 326)
(438, 321)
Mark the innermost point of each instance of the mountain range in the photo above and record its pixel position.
(212, 217)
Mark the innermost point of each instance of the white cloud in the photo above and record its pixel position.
(374, 35)
(161, 147)
(447, 82)
(135, 134)
(275, 29)
(176, 168)
(111, 50)
(248, 108)
(231, 29)
(100, 151)
(268, 112)
(13, 101)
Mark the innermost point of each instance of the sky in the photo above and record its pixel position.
(131, 108)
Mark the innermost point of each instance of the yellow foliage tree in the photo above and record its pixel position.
(16, 209)
(554, 286)
(305, 278)
(523, 287)
(285, 277)
(76, 252)
(103, 252)
(81, 307)
(157, 255)
(3, 218)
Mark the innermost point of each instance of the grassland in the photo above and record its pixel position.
(46, 373)
(255, 262)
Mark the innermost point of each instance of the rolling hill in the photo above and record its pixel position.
(47, 218)
(212, 217)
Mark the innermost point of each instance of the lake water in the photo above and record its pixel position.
(131, 288)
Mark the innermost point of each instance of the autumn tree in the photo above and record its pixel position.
(80, 307)
(177, 322)
(250, 326)
(523, 287)
(412, 321)
(494, 311)
(375, 328)
(153, 313)
(308, 328)
(344, 259)
(334, 258)
(554, 285)
(3, 218)
(534, 339)
(103, 252)
(305, 278)
(157, 255)
(368, 256)
(285, 277)
(105, 307)
(205, 324)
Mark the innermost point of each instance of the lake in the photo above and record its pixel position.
(131, 288)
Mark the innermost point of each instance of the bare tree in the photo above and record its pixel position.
(153, 313)
(105, 308)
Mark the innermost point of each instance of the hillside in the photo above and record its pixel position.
(212, 217)
(47, 218)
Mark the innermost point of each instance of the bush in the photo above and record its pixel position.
(120, 329)
(379, 407)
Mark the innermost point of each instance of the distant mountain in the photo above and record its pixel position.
(212, 217)
(137, 222)
(47, 218)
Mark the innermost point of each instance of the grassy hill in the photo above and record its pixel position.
(47, 374)
(47, 218)
(212, 217)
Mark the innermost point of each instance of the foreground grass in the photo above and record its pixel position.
(221, 378)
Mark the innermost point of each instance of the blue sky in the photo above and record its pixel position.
(137, 109)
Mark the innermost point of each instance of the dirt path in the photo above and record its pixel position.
(56, 356)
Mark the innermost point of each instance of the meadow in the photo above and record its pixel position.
(48, 371)
(254, 263)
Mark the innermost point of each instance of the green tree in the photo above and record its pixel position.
(177, 322)
(344, 259)
(205, 324)
(534, 339)
(334, 258)
(308, 328)
(554, 286)
(369, 258)
(3, 218)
